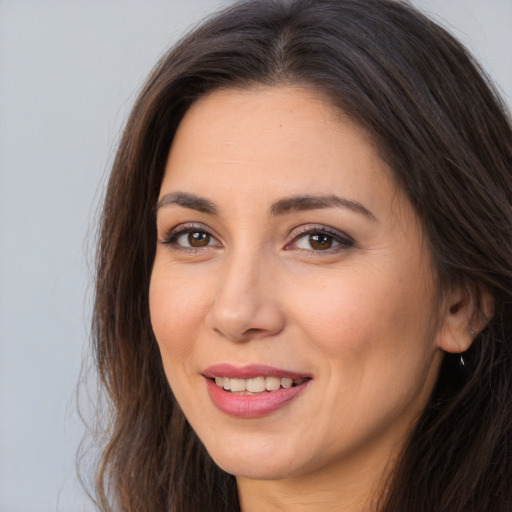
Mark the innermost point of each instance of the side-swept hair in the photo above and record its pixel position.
(438, 122)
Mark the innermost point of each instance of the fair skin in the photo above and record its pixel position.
(284, 242)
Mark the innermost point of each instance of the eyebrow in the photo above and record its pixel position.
(281, 207)
(186, 200)
(314, 202)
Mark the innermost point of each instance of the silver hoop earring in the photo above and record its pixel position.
(462, 363)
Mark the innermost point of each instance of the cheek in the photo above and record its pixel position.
(372, 315)
(176, 308)
(376, 346)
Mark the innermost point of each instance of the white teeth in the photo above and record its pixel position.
(237, 384)
(286, 382)
(223, 382)
(256, 384)
(272, 383)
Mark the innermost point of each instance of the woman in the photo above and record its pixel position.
(304, 273)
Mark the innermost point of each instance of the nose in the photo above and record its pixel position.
(246, 304)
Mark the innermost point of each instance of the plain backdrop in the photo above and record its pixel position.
(69, 72)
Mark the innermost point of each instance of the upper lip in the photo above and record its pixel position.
(250, 372)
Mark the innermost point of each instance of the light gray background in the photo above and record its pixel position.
(69, 71)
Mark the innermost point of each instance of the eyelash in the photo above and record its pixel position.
(342, 240)
(172, 237)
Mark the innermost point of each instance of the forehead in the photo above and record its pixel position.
(274, 135)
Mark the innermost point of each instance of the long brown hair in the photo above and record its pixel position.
(441, 126)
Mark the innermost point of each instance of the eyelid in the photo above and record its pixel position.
(341, 237)
(174, 233)
(343, 240)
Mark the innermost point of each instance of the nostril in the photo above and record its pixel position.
(253, 331)
(241, 319)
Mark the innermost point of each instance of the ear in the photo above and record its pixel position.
(466, 311)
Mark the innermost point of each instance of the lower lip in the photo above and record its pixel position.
(252, 406)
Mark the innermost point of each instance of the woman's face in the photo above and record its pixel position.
(291, 270)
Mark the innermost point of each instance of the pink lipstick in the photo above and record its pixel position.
(252, 391)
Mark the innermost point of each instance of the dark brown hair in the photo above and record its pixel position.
(439, 123)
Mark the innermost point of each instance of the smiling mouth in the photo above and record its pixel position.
(257, 385)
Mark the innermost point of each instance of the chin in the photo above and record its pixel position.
(254, 471)
(265, 463)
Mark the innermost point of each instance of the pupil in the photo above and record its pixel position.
(320, 241)
(198, 239)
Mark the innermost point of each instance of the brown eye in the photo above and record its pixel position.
(321, 239)
(198, 239)
(320, 242)
(192, 239)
